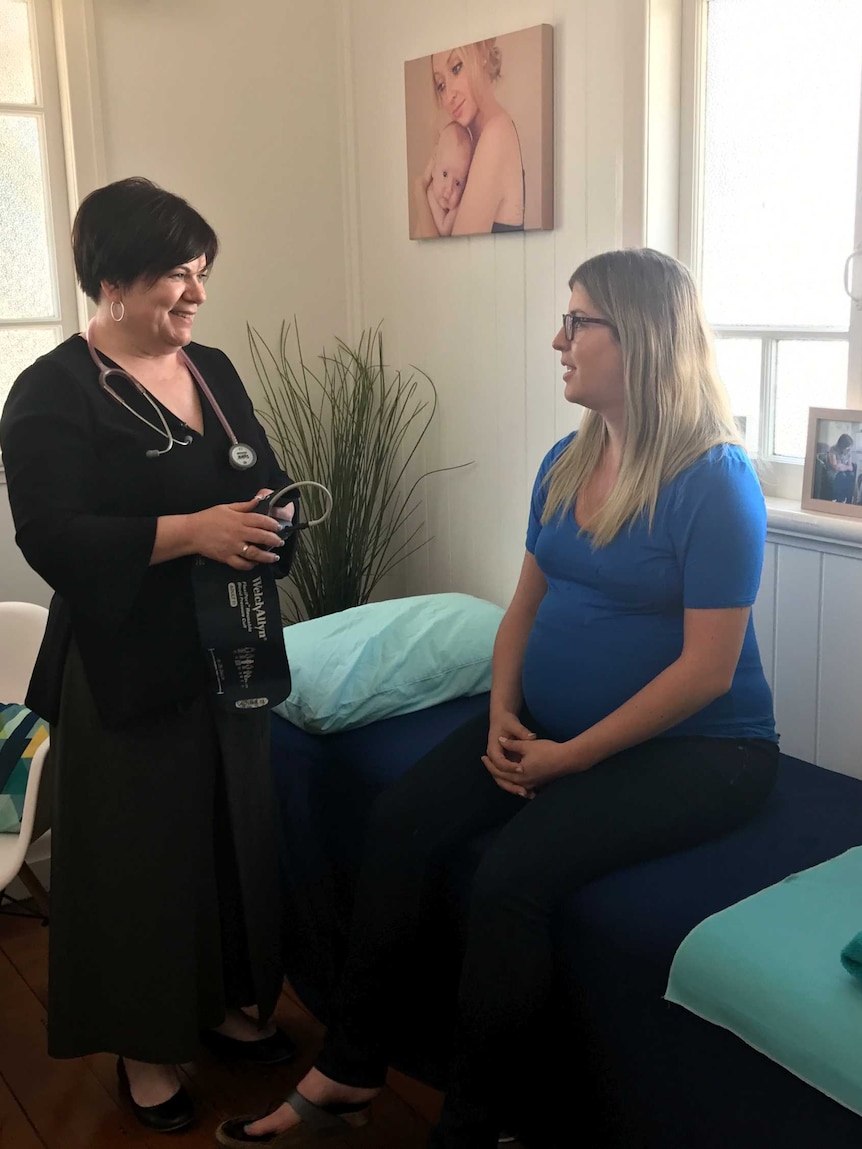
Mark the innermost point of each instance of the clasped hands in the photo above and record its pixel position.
(521, 763)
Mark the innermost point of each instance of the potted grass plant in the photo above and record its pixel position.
(354, 425)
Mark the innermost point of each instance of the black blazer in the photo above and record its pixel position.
(85, 500)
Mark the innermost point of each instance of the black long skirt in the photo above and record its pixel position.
(164, 876)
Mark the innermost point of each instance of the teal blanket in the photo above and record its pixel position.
(851, 956)
(769, 970)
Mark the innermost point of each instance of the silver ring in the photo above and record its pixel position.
(245, 548)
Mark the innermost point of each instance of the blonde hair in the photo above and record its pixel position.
(676, 407)
(483, 60)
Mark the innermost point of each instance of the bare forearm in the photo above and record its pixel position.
(509, 649)
(437, 212)
(447, 224)
(425, 226)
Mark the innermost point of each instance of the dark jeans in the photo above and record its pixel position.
(842, 486)
(664, 795)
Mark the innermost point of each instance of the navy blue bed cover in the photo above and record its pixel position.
(617, 936)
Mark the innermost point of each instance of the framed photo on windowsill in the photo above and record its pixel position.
(832, 480)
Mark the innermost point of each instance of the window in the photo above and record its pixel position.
(773, 217)
(38, 301)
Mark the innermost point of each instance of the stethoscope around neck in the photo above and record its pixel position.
(240, 455)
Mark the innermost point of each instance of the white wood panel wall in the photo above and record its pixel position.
(808, 618)
(478, 314)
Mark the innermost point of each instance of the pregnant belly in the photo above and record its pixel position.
(574, 676)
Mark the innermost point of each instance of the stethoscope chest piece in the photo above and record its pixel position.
(241, 456)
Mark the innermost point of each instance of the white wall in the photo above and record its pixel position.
(478, 314)
(234, 107)
(283, 122)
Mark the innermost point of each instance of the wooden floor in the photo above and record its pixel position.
(48, 1104)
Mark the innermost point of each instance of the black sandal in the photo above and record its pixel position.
(318, 1122)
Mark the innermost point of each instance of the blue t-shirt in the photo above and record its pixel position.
(612, 618)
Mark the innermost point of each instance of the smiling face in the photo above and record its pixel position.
(451, 164)
(454, 87)
(592, 362)
(158, 316)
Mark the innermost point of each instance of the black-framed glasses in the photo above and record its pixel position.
(573, 323)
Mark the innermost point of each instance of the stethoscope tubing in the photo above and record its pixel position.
(105, 370)
(164, 430)
(274, 498)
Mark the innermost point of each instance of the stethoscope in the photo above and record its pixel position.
(268, 505)
(240, 455)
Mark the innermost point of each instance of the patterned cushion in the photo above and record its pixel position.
(21, 734)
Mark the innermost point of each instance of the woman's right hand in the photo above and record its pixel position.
(234, 534)
(503, 768)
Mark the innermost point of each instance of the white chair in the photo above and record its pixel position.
(22, 625)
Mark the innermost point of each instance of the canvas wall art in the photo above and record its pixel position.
(480, 137)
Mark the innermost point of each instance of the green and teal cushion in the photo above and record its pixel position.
(21, 734)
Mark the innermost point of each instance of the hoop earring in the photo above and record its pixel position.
(118, 318)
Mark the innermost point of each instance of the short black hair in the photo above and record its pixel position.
(133, 229)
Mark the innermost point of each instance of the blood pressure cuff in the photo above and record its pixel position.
(239, 622)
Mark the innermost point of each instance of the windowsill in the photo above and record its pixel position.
(787, 521)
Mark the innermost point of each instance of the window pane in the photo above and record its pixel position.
(26, 290)
(19, 346)
(739, 368)
(782, 130)
(810, 374)
(17, 85)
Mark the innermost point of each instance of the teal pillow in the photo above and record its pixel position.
(387, 658)
(21, 734)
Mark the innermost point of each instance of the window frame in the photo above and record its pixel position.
(786, 472)
(46, 110)
(62, 39)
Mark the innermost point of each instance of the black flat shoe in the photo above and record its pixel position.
(273, 1050)
(169, 1116)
